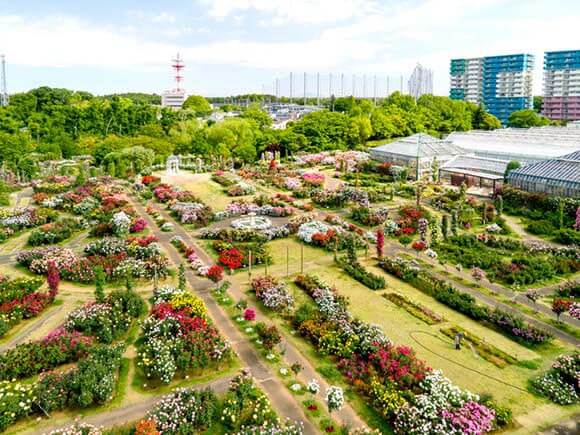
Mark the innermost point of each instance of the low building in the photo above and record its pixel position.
(474, 171)
(173, 99)
(420, 152)
(559, 176)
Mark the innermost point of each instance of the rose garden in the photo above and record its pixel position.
(322, 293)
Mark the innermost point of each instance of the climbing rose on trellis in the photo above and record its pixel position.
(380, 243)
(577, 223)
(53, 279)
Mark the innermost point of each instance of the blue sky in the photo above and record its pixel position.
(238, 46)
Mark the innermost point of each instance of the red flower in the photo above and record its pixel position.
(231, 258)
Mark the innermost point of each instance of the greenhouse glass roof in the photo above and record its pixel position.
(418, 145)
(525, 144)
(565, 168)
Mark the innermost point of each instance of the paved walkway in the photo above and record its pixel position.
(135, 412)
(38, 322)
(394, 248)
(286, 405)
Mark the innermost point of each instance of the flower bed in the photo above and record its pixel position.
(20, 299)
(195, 213)
(340, 197)
(241, 188)
(359, 272)
(272, 293)
(53, 184)
(14, 221)
(368, 216)
(417, 310)
(397, 384)
(178, 338)
(510, 324)
(189, 253)
(55, 232)
(91, 381)
(57, 348)
(239, 208)
(560, 383)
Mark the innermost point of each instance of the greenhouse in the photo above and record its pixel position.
(526, 145)
(420, 152)
(560, 176)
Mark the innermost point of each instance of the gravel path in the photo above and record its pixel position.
(282, 400)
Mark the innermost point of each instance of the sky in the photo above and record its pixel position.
(238, 46)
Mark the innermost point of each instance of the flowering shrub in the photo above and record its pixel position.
(292, 183)
(55, 232)
(370, 217)
(138, 225)
(313, 178)
(560, 383)
(443, 408)
(241, 188)
(249, 315)
(272, 294)
(192, 213)
(244, 405)
(184, 411)
(231, 258)
(334, 398)
(20, 299)
(178, 337)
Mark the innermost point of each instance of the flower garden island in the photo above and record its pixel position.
(319, 293)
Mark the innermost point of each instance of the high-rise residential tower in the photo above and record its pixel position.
(467, 80)
(502, 83)
(421, 81)
(562, 85)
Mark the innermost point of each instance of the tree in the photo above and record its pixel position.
(510, 167)
(538, 101)
(527, 118)
(254, 113)
(198, 104)
(181, 277)
(99, 284)
(111, 169)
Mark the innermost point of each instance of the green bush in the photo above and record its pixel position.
(567, 237)
(541, 228)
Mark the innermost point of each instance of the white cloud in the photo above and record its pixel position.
(163, 17)
(295, 11)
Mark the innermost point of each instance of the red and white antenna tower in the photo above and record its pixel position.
(177, 66)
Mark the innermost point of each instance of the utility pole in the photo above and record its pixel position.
(3, 89)
(329, 85)
(304, 89)
(364, 86)
(318, 89)
(342, 84)
(277, 88)
(401, 84)
(388, 90)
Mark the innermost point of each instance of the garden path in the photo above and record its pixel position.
(515, 223)
(24, 334)
(394, 248)
(282, 400)
(135, 411)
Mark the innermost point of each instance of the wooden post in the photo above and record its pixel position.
(249, 264)
(287, 262)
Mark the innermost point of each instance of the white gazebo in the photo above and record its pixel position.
(172, 165)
